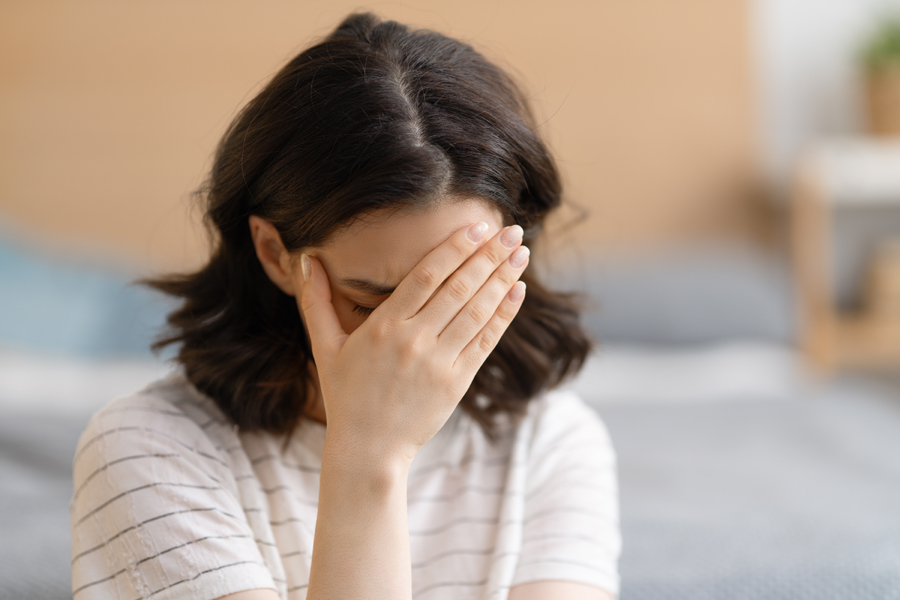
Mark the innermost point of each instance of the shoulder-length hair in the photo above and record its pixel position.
(375, 116)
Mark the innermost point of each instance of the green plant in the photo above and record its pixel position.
(882, 48)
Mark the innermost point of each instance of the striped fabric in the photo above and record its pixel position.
(172, 501)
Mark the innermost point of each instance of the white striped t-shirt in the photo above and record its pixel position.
(172, 501)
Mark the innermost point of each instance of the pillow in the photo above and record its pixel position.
(685, 296)
(65, 306)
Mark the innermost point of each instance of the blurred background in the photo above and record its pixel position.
(732, 170)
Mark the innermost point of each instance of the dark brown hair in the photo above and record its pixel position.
(376, 116)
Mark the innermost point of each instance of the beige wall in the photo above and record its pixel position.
(109, 110)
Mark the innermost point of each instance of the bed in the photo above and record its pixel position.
(740, 476)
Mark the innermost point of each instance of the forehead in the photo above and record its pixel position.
(384, 247)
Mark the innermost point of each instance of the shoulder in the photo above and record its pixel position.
(156, 507)
(168, 421)
(171, 398)
(560, 418)
(560, 403)
(170, 407)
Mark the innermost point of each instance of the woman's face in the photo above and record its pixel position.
(370, 258)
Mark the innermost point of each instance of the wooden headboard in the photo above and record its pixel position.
(110, 110)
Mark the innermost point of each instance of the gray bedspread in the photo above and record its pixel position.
(740, 499)
(765, 500)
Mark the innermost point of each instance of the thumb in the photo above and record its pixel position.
(325, 332)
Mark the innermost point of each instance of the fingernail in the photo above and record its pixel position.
(517, 291)
(304, 266)
(476, 232)
(519, 257)
(512, 235)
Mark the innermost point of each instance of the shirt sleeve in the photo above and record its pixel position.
(571, 517)
(155, 512)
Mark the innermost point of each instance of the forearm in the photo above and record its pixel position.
(361, 547)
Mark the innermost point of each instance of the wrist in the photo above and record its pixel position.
(365, 462)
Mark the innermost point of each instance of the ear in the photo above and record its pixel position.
(272, 255)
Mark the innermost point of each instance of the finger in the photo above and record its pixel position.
(477, 351)
(325, 332)
(476, 313)
(430, 272)
(462, 285)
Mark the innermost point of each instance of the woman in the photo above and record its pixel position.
(372, 208)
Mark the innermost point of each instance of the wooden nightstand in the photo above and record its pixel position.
(835, 177)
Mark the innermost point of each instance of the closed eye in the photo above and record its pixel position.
(363, 310)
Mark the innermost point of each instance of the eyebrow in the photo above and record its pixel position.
(367, 287)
